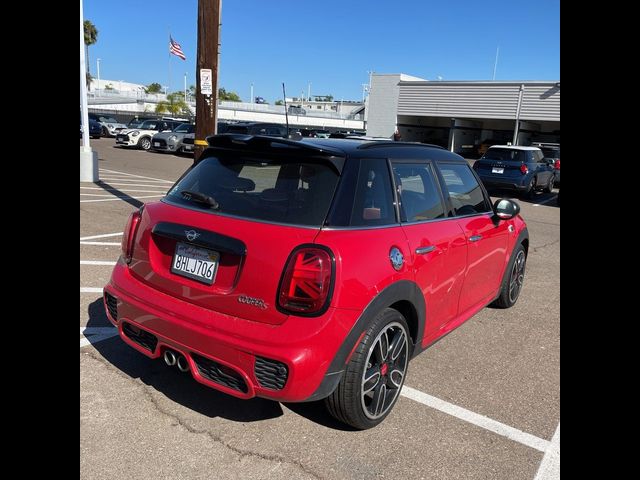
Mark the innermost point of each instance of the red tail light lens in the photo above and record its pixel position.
(524, 169)
(129, 235)
(557, 164)
(307, 281)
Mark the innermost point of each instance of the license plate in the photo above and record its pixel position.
(497, 170)
(188, 147)
(156, 144)
(196, 263)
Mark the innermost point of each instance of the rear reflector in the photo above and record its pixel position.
(307, 281)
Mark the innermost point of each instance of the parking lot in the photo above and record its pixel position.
(483, 403)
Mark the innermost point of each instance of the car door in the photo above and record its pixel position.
(486, 240)
(437, 243)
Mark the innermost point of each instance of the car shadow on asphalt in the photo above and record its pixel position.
(183, 389)
(120, 194)
(537, 198)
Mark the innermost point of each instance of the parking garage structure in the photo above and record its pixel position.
(463, 115)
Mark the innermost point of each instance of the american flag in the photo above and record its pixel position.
(176, 49)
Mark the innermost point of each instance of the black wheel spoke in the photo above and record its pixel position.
(397, 344)
(371, 379)
(396, 376)
(379, 397)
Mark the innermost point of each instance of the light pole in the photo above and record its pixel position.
(88, 158)
(251, 96)
(185, 87)
(309, 92)
(98, 89)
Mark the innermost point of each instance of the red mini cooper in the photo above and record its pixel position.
(299, 270)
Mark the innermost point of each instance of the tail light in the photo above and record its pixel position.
(524, 169)
(129, 235)
(307, 281)
(556, 165)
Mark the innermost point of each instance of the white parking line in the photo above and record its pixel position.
(549, 468)
(476, 419)
(100, 243)
(96, 338)
(96, 262)
(98, 195)
(119, 199)
(138, 176)
(90, 290)
(93, 237)
(127, 179)
(95, 330)
(132, 185)
(124, 190)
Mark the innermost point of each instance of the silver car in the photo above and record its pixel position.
(172, 141)
(110, 126)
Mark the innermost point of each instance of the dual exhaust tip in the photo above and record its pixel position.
(171, 359)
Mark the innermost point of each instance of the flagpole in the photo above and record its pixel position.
(169, 83)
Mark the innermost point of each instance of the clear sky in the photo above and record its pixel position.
(331, 44)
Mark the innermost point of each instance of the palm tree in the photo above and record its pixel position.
(175, 105)
(90, 37)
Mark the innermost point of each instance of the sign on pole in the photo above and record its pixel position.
(205, 81)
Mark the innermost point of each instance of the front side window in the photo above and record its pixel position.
(281, 190)
(420, 197)
(465, 192)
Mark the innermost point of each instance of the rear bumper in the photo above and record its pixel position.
(510, 183)
(306, 346)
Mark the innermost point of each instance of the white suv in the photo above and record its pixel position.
(141, 136)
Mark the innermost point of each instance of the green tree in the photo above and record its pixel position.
(108, 86)
(175, 105)
(228, 96)
(279, 102)
(153, 88)
(90, 37)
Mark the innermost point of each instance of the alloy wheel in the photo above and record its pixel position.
(517, 276)
(385, 369)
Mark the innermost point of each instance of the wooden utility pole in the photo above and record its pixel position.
(207, 68)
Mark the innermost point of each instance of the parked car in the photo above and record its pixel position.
(258, 128)
(551, 150)
(137, 121)
(95, 129)
(323, 133)
(171, 141)
(311, 269)
(140, 137)
(110, 126)
(189, 138)
(296, 110)
(523, 169)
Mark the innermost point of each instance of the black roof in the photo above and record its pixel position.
(344, 147)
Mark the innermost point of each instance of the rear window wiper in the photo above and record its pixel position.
(200, 197)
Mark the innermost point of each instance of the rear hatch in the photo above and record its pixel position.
(503, 162)
(222, 236)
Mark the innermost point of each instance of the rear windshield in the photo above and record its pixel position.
(289, 191)
(505, 154)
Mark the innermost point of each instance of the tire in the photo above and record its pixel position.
(145, 143)
(530, 190)
(374, 369)
(549, 186)
(105, 132)
(513, 279)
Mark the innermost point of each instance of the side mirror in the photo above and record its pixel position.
(549, 161)
(506, 209)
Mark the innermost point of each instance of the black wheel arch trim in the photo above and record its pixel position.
(401, 291)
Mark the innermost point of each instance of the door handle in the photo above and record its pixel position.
(423, 250)
(475, 238)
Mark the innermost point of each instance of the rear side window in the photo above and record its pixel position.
(465, 192)
(420, 197)
(506, 155)
(373, 200)
(289, 191)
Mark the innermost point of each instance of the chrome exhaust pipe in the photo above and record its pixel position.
(183, 364)
(169, 358)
